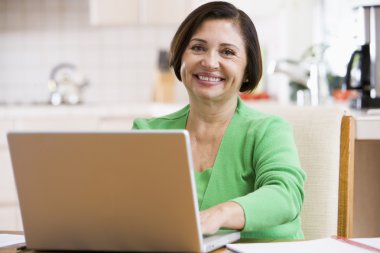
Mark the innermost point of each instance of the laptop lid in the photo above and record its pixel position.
(129, 191)
(105, 191)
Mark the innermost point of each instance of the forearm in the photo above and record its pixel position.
(268, 207)
(233, 215)
(225, 215)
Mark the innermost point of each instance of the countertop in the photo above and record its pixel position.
(367, 121)
(367, 124)
(87, 110)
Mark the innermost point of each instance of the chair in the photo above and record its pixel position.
(325, 140)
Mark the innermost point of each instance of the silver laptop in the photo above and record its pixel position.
(102, 191)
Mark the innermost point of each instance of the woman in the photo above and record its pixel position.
(247, 171)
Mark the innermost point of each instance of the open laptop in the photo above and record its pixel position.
(102, 191)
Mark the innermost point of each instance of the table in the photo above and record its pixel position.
(14, 248)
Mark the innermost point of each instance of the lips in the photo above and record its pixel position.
(209, 78)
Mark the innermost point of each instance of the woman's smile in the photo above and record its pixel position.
(208, 79)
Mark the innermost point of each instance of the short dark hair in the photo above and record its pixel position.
(219, 10)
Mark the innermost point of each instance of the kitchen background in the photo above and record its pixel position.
(116, 46)
(118, 55)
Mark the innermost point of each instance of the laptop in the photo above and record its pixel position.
(109, 191)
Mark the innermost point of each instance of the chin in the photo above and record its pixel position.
(209, 95)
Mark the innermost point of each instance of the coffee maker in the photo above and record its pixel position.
(363, 69)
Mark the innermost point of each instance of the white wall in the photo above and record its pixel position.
(36, 35)
(120, 61)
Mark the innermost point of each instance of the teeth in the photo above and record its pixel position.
(210, 79)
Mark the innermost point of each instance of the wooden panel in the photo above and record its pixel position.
(367, 189)
(346, 177)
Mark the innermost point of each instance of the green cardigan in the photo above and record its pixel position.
(257, 166)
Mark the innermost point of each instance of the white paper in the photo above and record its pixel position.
(373, 242)
(8, 239)
(327, 245)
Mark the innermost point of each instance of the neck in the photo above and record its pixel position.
(210, 113)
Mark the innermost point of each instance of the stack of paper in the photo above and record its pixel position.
(8, 240)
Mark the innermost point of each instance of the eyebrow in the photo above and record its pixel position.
(223, 44)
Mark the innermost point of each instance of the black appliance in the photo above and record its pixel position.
(363, 69)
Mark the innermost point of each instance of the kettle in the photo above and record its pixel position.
(66, 84)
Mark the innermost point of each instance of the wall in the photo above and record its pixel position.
(36, 35)
(119, 61)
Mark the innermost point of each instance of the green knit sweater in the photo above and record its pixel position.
(257, 166)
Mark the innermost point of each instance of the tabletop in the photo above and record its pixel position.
(18, 248)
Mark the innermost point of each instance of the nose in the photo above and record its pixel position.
(210, 60)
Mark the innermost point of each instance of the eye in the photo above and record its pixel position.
(197, 48)
(228, 52)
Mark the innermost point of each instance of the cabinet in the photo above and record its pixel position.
(5, 126)
(366, 221)
(115, 123)
(10, 218)
(131, 12)
(9, 213)
(56, 124)
(164, 12)
(114, 12)
(8, 196)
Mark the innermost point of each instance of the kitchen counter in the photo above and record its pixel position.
(367, 122)
(87, 110)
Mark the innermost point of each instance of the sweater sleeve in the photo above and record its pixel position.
(140, 123)
(278, 187)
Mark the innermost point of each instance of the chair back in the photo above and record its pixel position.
(325, 140)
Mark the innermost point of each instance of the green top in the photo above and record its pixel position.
(256, 166)
(202, 178)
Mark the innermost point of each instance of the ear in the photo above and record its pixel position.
(245, 78)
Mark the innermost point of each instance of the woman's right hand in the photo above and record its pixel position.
(225, 215)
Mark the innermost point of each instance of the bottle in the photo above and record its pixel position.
(163, 91)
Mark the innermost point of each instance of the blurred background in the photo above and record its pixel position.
(92, 65)
(112, 51)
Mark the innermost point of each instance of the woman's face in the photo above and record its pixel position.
(214, 62)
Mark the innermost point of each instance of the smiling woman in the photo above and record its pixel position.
(213, 64)
(247, 169)
(242, 25)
